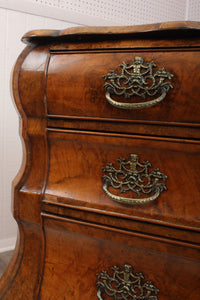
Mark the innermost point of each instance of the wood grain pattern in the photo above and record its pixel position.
(66, 83)
(41, 36)
(69, 229)
(75, 174)
(165, 265)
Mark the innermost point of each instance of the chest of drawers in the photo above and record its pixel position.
(107, 199)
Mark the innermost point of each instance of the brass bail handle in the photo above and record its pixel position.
(137, 79)
(135, 177)
(130, 201)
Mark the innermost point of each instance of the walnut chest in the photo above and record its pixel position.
(107, 199)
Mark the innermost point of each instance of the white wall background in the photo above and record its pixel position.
(20, 16)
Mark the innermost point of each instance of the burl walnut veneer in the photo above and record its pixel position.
(107, 199)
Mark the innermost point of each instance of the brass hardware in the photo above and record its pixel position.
(133, 176)
(125, 285)
(137, 80)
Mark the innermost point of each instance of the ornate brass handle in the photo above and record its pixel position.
(124, 284)
(133, 176)
(137, 80)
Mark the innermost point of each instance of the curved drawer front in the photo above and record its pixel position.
(154, 86)
(166, 171)
(82, 258)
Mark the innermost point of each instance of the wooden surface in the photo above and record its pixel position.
(41, 36)
(65, 86)
(69, 229)
(74, 174)
(89, 243)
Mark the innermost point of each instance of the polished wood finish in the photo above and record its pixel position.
(159, 29)
(183, 65)
(89, 242)
(69, 229)
(74, 174)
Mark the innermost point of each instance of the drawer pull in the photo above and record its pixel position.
(137, 80)
(133, 176)
(124, 284)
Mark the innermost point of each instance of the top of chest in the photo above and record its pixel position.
(130, 79)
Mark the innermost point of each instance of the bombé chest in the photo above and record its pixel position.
(108, 199)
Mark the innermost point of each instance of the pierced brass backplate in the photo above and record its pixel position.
(125, 285)
(135, 177)
(137, 79)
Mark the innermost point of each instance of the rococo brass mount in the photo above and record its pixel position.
(139, 80)
(125, 285)
(133, 176)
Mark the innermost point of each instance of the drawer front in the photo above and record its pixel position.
(78, 161)
(76, 252)
(76, 85)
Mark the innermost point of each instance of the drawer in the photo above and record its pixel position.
(77, 251)
(75, 175)
(75, 85)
